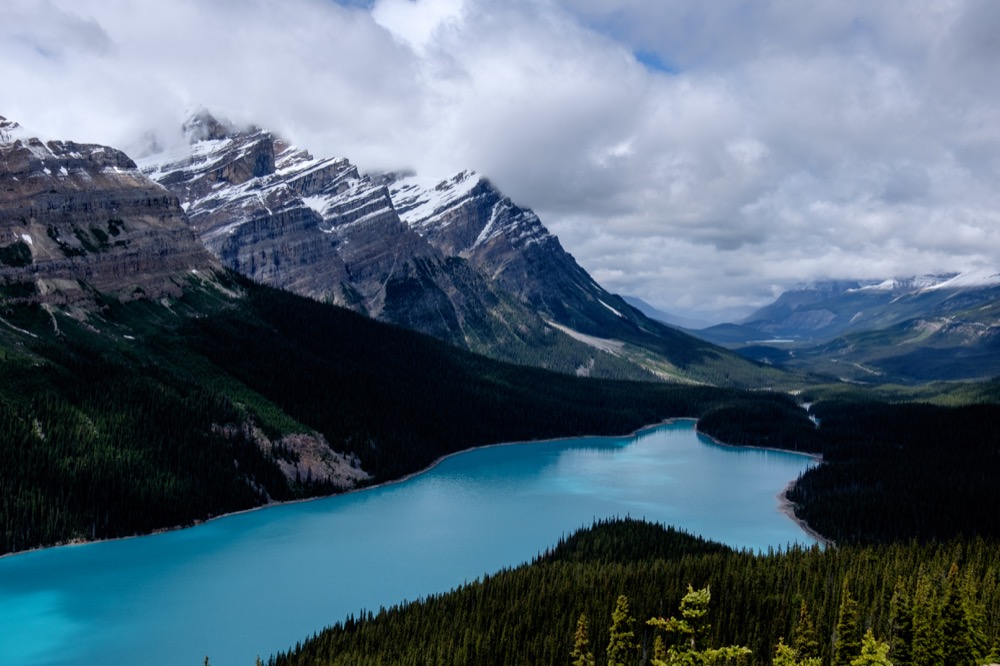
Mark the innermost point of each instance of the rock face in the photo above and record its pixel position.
(319, 228)
(466, 216)
(312, 226)
(454, 258)
(78, 218)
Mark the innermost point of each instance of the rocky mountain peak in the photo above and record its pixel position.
(10, 131)
(76, 217)
(276, 213)
(454, 258)
(203, 126)
(465, 215)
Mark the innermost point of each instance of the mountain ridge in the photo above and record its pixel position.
(74, 213)
(901, 329)
(453, 258)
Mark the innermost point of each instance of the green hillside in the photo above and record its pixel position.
(129, 417)
(933, 604)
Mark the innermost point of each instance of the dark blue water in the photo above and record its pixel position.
(255, 583)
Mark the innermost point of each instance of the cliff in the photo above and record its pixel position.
(79, 218)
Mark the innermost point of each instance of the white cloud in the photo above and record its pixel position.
(775, 143)
(416, 23)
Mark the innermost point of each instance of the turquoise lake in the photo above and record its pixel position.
(255, 583)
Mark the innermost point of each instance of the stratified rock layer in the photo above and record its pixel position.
(78, 218)
(319, 228)
(452, 258)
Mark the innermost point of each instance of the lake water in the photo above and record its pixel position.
(255, 583)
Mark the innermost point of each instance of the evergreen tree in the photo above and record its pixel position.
(926, 647)
(962, 642)
(659, 649)
(622, 648)
(581, 654)
(848, 639)
(693, 624)
(786, 655)
(806, 644)
(873, 652)
(691, 630)
(975, 613)
(901, 625)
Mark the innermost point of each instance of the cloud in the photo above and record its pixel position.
(700, 155)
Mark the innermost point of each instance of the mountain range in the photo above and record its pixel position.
(934, 327)
(157, 369)
(148, 384)
(453, 258)
(79, 220)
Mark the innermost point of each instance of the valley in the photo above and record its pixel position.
(910, 331)
(243, 324)
(300, 565)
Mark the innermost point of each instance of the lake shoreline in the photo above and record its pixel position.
(785, 505)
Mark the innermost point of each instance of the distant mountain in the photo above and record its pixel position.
(453, 258)
(653, 312)
(913, 329)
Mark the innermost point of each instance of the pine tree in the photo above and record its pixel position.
(806, 644)
(581, 654)
(901, 625)
(962, 641)
(693, 624)
(873, 652)
(691, 630)
(975, 613)
(848, 639)
(622, 647)
(786, 655)
(659, 649)
(925, 650)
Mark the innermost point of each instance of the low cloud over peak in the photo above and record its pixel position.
(699, 155)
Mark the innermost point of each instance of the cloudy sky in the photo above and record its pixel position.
(703, 156)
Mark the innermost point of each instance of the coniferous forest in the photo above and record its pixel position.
(933, 603)
(144, 418)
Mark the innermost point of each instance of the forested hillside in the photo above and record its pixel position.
(932, 604)
(903, 471)
(907, 491)
(152, 414)
(892, 471)
(156, 414)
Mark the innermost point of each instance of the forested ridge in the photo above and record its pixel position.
(890, 472)
(929, 602)
(141, 418)
(903, 471)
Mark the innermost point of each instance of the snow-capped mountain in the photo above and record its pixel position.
(317, 227)
(923, 327)
(75, 218)
(282, 217)
(452, 257)
(466, 216)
